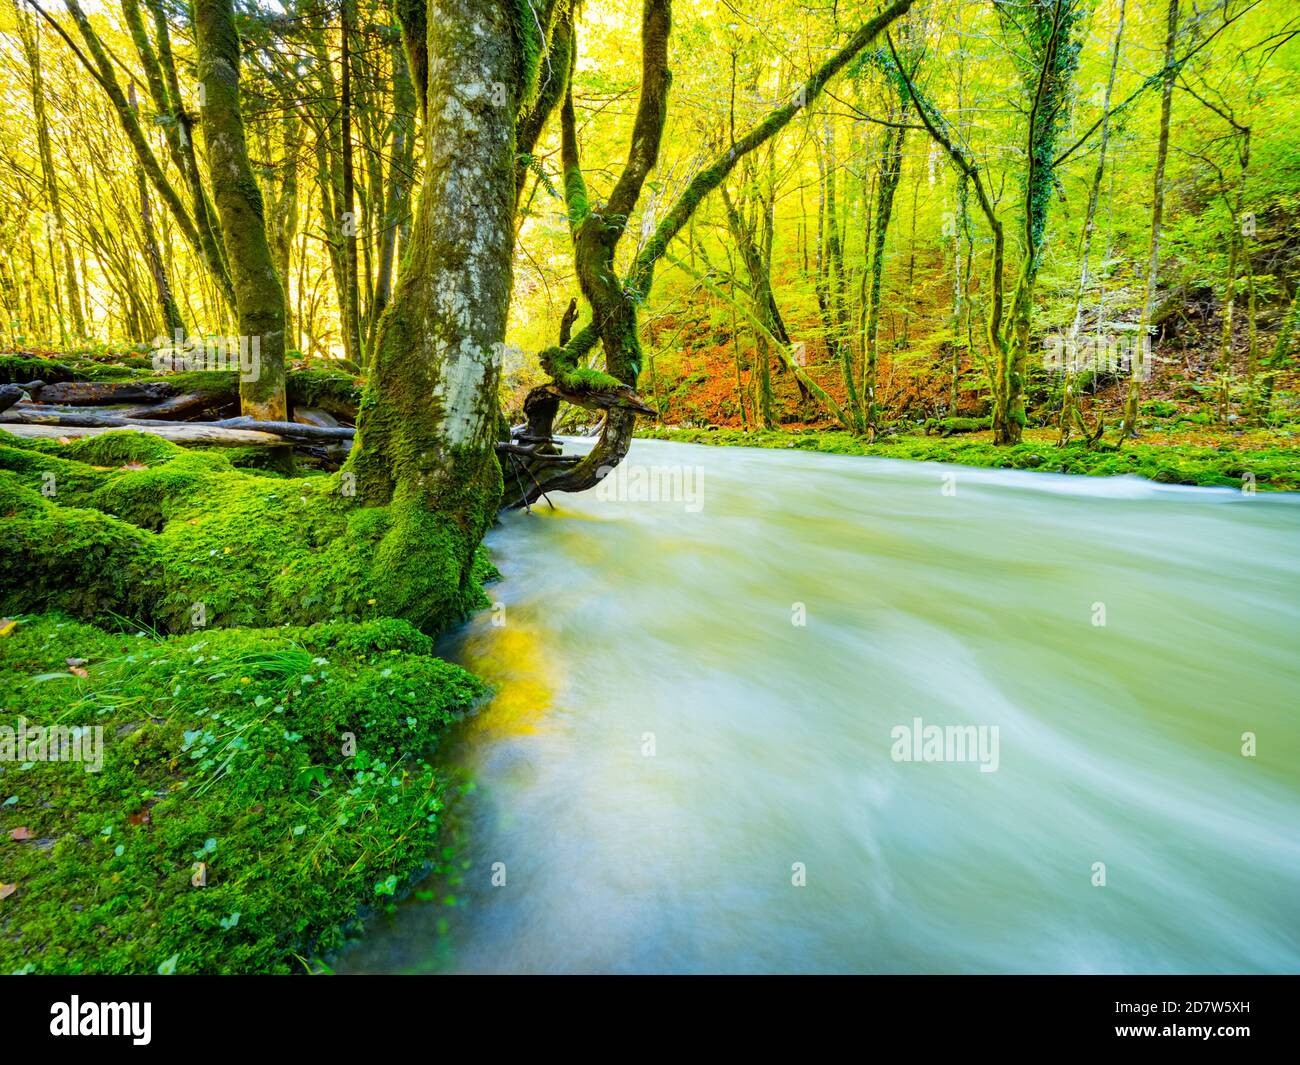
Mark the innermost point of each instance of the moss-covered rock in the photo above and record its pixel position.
(259, 790)
(184, 538)
(72, 559)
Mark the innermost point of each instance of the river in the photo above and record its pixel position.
(708, 750)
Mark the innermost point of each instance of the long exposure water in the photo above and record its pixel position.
(704, 753)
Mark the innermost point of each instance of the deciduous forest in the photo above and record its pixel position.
(388, 390)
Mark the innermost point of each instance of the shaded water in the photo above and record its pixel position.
(669, 746)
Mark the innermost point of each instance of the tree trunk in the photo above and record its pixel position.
(1069, 379)
(259, 295)
(891, 167)
(428, 420)
(351, 299)
(1138, 366)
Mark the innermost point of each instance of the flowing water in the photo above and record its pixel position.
(695, 758)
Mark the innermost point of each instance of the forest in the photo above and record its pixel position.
(334, 332)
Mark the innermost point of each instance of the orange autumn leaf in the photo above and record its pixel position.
(21, 833)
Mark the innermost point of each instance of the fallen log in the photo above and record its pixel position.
(37, 414)
(286, 432)
(178, 406)
(186, 434)
(307, 434)
(102, 393)
(308, 388)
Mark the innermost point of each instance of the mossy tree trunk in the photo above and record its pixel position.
(1138, 368)
(259, 295)
(597, 232)
(428, 418)
(1048, 35)
(891, 169)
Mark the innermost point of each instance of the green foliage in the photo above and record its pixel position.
(153, 542)
(291, 762)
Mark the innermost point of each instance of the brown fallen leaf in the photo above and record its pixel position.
(20, 833)
(134, 466)
(65, 440)
(77, 671)
(141, 818)
(7, 889)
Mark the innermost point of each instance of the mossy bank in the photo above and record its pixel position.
(259, 790)
(1265, 468)
(253, 653)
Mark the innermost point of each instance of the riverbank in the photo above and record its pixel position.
(215, 729)
(232, 801)
(1268, 461)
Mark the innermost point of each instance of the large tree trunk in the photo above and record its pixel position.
(259, 295)
(427, 427)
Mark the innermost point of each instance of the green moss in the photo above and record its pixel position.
(958, 425)
(530, 50)
(20, 369)
(290, 762)
(185, 535)
(325, 389)
(119, 448)
(573, 378)
(67, 558)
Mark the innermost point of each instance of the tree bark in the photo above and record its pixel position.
(428, 420)
(259, 294)
(1129, 427)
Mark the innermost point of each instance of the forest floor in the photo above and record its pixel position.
(217, 734)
